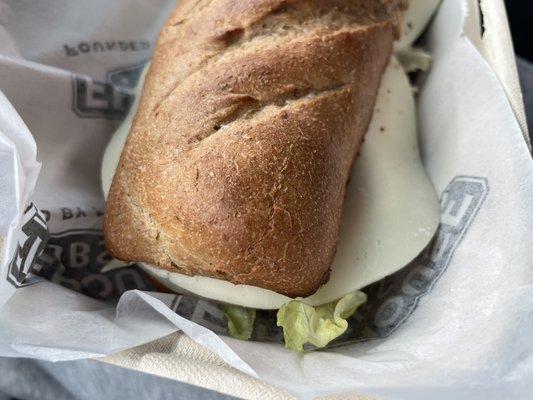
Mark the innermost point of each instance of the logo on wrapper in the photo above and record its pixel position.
(203, 312)
(110, 99)
(392, 300)
(32, 241)
(75, 258)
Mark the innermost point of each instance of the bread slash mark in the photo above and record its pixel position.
(249, 108)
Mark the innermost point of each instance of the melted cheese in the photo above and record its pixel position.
(415, 21)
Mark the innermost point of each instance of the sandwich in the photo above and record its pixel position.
(241, 176)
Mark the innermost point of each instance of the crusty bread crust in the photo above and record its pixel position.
(251, 116)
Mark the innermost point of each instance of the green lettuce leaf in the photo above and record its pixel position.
(319, 325)
(240, 321)
(414, 59)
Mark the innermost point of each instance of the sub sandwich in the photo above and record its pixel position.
(271, 160)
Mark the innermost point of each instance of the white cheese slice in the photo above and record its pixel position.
(415, 21)
(390, 212)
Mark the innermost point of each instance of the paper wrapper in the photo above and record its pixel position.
(456, 320)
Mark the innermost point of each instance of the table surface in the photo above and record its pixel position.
(520, 13)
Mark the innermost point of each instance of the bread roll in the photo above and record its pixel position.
(250, 119)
